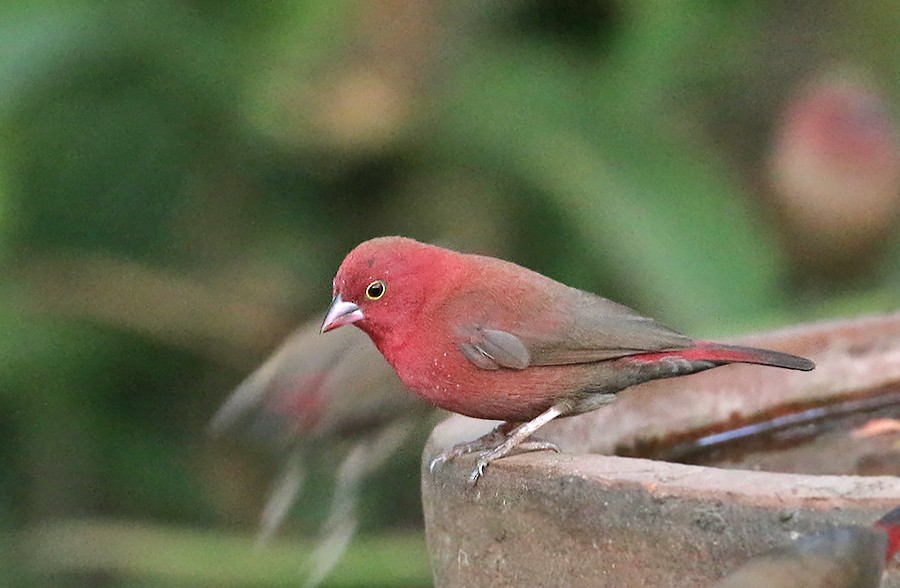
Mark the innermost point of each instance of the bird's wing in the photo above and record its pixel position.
(490, 349)
(589, 330)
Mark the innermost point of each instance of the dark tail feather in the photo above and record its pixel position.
(739, 354)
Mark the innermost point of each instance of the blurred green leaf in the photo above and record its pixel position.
(632, 193)
(182, 557)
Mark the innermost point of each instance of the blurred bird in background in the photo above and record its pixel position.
(835, 175)
(846, 557)
(324, 392)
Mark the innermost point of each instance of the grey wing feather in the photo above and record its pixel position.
(595, 330)
(604, 338)
(490, 349)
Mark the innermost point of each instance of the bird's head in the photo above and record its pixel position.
(383, 282)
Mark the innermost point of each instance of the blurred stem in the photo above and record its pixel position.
(166, 306)
(61, 450)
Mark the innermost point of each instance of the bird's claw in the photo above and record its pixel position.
(437, 461)
(449, 456)
(478, 471)
(484, 461)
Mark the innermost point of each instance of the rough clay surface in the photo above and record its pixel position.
(583, 519)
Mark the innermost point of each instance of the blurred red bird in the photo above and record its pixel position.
(339, 400)
(493, 340)
(307, 391)
(835, 172)
(847, 557)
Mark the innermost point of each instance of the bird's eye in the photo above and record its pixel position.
(375, 290)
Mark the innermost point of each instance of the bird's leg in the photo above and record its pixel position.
(284, 493)
(516, 439)
(366, 457)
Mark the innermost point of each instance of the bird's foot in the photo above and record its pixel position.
(502, 440)
(502, 450)
(489, 448)
(482, 444)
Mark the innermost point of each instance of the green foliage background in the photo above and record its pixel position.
(179, 181)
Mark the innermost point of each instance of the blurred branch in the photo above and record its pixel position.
(189, 557)
(154, 302)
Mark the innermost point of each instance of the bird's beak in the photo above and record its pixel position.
(341, 313)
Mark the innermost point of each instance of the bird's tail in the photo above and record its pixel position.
(721, 353)
(890, 524)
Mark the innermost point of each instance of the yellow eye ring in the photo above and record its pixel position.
(376, 290)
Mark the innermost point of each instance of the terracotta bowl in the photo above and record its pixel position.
(586, 517)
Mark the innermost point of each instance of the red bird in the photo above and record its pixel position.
(846, 557)
(493, 340)
(835, 171)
